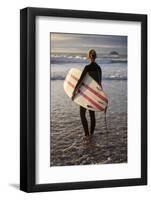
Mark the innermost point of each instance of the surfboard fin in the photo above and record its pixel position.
(101, 102)
(89, 106)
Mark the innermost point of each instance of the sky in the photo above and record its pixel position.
(81, 43)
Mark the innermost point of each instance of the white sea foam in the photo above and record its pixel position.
(61, 59)
(113, 71)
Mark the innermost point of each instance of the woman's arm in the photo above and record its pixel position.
(79, 82)
(100, 74)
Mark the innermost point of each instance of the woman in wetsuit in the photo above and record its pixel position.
(94, 70)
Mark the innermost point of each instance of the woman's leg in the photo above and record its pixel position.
(84, 120)
(92, 118)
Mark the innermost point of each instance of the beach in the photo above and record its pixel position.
(68, 146)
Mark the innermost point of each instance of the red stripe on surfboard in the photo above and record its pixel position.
(90, 89)
(86, 97)
(91, 101)
(70, 84)
(74, 77)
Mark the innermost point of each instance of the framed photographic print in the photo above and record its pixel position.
(83, 99)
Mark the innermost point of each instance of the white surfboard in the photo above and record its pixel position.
(90, 94)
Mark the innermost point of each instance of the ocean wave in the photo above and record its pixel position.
(81, 59)
(117, 78)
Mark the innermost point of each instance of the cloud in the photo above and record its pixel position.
(81, 42)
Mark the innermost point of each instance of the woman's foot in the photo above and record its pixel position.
(91, 133)
(87, 134)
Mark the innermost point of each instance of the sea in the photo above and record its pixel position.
(108, 145)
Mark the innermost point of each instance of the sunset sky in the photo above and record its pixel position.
(81, 43)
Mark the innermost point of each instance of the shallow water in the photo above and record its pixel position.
(68, 146)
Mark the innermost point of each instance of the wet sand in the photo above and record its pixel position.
(68, 146)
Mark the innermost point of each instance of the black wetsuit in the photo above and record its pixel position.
(94, 70)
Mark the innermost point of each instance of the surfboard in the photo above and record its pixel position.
(89, 95)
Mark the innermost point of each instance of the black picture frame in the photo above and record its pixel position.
(28, 99)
